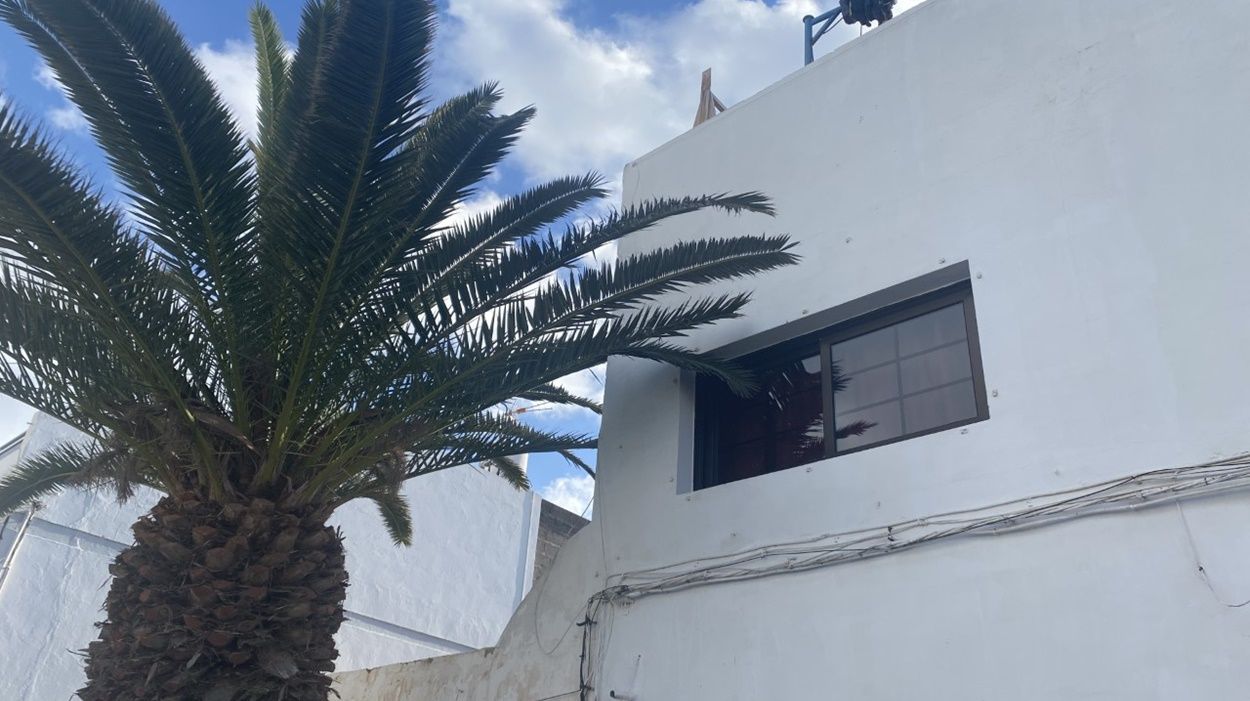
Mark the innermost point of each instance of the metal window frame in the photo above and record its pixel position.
(958, 294)
(893, 305)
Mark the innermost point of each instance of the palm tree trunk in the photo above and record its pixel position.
(222, 602)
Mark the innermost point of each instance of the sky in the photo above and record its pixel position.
(611, 79)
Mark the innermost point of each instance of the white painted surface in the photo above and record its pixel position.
(1089, 161)
(453, 590)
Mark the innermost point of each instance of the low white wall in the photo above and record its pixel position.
(536, 656)
(1089, 161)
(452, 591)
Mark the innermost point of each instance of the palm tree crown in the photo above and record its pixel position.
(295, 317)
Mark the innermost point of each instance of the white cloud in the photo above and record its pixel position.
(592, 91)
(65, 116)
(233, 69)
(573, 493)
(587, 383)
(603, 97)
(45, 76)
(480, 203)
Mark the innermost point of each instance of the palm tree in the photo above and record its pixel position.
(266, 330)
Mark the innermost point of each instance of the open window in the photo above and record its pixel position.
(892, 370)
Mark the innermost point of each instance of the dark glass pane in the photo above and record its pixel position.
(864, 351)
(780, 426)
(867, 387)
(798, 447)
(744, 421)
(936, 367)
(779, 386)
(939, 407)
(874, 424)
(931, 330)
(801, 410)
(742, 461)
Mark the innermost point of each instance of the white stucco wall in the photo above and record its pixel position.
(1089, 161)
(452, 591)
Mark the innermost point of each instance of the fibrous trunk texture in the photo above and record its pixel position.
(221, 602)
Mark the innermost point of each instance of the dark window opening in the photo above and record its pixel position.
(906, 370)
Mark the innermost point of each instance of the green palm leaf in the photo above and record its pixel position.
(56, 468)
(558, 395)
(273, 83)
(395, 512)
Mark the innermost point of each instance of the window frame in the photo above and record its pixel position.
(897, 314)
(937, 290)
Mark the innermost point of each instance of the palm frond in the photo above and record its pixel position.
(572, 458)
(488, 436)
(53, 356)
(455, 147)
(136, 81)
(396, 513)
(273, 82)
(340, 189)
(510, 469)
(738, 379)
(472, 247)
(60, 233)
(535, 260)
(56, 468)
(597, 292)
(558, 395)
(170, 141)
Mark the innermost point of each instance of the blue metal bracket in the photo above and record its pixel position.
(811, 35)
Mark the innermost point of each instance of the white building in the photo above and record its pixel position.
(478, 543)
(1079, 170)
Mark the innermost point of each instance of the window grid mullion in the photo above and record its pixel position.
(826, 386)
(898, 374)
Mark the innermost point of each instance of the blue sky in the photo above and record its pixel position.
(612, 79)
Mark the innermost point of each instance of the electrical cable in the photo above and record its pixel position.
(1147, 489)
(1202, 570)
(559, 696)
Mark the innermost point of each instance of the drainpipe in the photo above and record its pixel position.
(20, 445)
(17, 542)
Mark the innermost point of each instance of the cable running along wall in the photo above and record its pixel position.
(1138, 491)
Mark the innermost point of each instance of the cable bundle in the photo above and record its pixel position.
(1146, 489)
